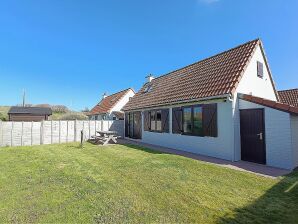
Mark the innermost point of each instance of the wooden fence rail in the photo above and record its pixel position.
(50, 132)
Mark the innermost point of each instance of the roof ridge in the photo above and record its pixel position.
(112, 100)
(121, 91)
(257, 40)
(284, 90)
(117, 101)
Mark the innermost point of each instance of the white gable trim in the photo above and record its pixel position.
(251, 84)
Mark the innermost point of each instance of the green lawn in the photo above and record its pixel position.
(125, 184)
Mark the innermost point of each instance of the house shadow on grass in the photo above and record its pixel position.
(278, 205)
(142, 148)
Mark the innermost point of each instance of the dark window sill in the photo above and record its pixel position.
(191, 134)
(157, 131)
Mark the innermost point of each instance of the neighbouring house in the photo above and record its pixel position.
(225, 106)
(29, 113)
(289, 96)
(110, 107)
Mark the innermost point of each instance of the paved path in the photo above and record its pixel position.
(239, 165)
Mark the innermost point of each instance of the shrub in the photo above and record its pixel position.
(3, 117)
(59, 109)
(74, 116)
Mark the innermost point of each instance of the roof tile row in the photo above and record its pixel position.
(289, 96)
(269, 103)
(214, 76)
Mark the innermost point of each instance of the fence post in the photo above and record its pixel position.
(83, 128)
(59, 131)
(11, 135)
(75, 130)
(1, 132)
(67, 131)
(22, 132)
(89, 129)
(31, 132)
(41, 132)
(82, 138)
(51, 131)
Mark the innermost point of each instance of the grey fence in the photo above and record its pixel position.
(50, 132)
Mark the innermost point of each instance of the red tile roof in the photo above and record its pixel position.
(269, 103)
(289, 96)
(106, 104)
(215, 76)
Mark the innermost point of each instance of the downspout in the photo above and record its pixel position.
(232, 99)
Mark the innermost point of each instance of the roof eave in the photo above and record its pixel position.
(223, 96)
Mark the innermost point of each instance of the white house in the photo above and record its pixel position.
(110, 107)
(225, 106)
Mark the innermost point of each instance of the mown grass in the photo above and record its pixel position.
(128, 184)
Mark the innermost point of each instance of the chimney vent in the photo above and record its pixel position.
(149, 77)
(104, 95)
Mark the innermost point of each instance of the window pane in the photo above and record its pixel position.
(260, 69)
(197, 121)
(152, 120)
(158, 120)
(187, 125)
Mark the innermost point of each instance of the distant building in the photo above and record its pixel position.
(29, 113)
(110, 107)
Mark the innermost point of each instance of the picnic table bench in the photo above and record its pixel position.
(105, 137)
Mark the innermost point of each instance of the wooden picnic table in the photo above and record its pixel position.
(105, 137)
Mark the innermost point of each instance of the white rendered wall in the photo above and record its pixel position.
(278, 139)
(294, 130)
(123, 101)
(219, 147)
(252, 84)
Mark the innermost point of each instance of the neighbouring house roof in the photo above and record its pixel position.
(119, 114)
(106, 104)
(270, 103)
(289, 96)
(30, 110)
(215, 76)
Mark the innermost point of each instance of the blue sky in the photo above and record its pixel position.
(70, 52)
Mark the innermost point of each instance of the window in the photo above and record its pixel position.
(152, 121)
(133, 125)
(260, 69)
(158, 120)
(197, 121)
(148, 88)
(187, 120)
